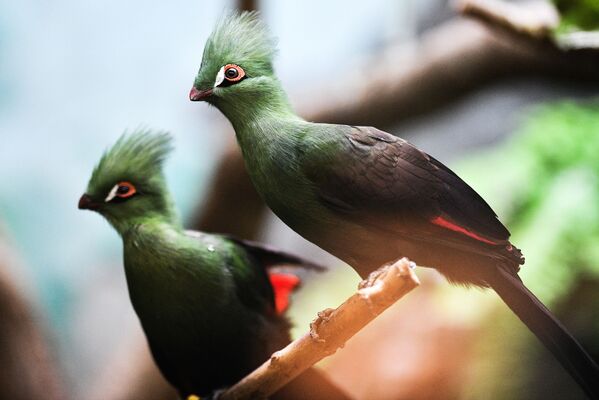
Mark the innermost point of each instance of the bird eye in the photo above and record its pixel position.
(122, 190)
(229, 74)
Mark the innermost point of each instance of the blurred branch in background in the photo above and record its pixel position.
(536, 19)
(436, 71)
(28, 369)
(132, 374)
(247, 5)
(541, 21)
(232, 205)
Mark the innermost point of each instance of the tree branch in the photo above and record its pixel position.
(28, 369)
(328, 332)
(536, 19)
(247, 5)
(131, 374)
(232, 190)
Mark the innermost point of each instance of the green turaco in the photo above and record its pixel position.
(362, 194)
(211, 308)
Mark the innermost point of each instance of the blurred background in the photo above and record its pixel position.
(511, 110)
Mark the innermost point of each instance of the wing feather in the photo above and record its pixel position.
(375, 173)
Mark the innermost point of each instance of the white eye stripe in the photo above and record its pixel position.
(220, 77)
(112, 193)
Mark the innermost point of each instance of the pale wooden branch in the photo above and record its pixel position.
(533, 18)
(328, 332)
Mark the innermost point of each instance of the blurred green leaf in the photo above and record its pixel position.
(578, 14)
(544, 183)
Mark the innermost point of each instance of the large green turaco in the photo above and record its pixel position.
(362, 194)
(205, 302)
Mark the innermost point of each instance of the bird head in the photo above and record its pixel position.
(237, 62)
(127, 184)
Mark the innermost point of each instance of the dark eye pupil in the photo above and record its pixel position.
(123, 190)
(231, 73)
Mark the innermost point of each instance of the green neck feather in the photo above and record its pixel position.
(160, 210)
(263, 100)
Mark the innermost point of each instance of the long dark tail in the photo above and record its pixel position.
(548, 329)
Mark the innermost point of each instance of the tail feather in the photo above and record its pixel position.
(548, 330)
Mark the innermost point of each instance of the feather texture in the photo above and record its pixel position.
(205, 302)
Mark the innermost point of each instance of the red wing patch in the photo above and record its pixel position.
(442, 222)
(283, 285)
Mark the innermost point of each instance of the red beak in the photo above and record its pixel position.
(199, 95)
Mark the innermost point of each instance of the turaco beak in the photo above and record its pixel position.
(86, 203)
(199, 95)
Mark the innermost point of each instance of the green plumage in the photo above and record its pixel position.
(243, 38)
(578, 15)
(137, 158)
(364, 195)
(205, 301)
(357, 192)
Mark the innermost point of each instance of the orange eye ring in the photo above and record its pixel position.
(125, 189)
(233, 72)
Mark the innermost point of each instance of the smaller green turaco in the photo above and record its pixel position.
(211, 309)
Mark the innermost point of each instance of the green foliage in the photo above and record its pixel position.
(557, 217)
(562, 135)
(578, 14)
(549, 195)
